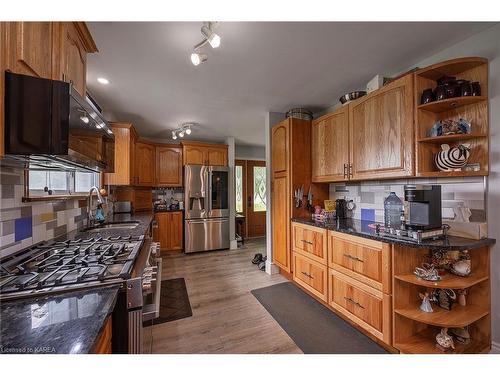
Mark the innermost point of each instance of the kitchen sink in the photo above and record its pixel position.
(117, 225)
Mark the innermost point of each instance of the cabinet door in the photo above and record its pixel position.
(281, 222)
(311, 275)
(330, 147)
(32, 52)
(144, 163)
(195, 155)
(175, 231)
(279, 147)
(310, 242)
(73, 58)
(163, 229)
(168, 166)
(217, 156)
(381, 132)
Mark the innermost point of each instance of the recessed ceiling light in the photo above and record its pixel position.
(103, 81)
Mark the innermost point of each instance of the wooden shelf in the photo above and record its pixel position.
(448, 280)
(451, 138)
(451, 103)
(459, 316)
(425, 342)
(452, 173)
(451, 67)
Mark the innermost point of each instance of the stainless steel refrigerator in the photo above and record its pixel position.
(206, 206)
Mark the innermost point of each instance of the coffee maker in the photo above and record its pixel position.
(422, 207)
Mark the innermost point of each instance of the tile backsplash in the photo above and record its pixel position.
(25, 224)
(368, 196)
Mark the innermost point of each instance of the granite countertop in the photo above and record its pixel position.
(68, 323)
(366, 229)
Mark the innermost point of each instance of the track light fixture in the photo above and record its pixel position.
(210, 37)
(184, 129)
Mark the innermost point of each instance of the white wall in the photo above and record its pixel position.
(250, 152)
(486, 44)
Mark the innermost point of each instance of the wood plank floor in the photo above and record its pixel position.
(226, 316)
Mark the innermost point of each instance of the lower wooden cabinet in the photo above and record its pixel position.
(169, 231)
(311, 275)
(365, 306)
(310, 241)
(363, 259)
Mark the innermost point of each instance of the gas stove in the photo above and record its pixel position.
(411, 235)
(68, 265)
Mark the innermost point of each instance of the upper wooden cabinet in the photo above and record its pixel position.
(204, 153)
(279, 147)
(124, 172)
(381, 132)
(145, 163)
(168, 165)
(330, 146)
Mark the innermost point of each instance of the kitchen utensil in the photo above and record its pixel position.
(351, 96)
(309, 199)
(300, 113)
(427, 96)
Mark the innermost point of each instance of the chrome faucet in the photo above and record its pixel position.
(90, 215)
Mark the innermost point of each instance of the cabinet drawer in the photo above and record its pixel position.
(365, 306)
(310, 241)
(365, 260)
(311, 275)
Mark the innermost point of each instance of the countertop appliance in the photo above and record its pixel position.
(132, 262)
(422, 207)
(48, 124)
(206, 211)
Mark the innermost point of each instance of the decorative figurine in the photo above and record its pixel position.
(452, 158)
(462, 293)
(427, 272)
(443, 297)
(462, 335)
(444, 340)
(425, 306)
(462, 267)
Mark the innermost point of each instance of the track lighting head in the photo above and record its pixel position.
(188, 130)
(174, 136)
(181, 133)
(211, 36)
(198, 58)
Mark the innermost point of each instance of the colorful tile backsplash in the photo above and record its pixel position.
(24, 224)
(368, 196)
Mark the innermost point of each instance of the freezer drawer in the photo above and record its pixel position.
(206, 234)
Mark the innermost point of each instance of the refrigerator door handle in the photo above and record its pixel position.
(209, 188)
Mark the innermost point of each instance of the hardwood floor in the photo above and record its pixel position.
(226, 316)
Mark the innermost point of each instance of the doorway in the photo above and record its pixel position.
(250, 187)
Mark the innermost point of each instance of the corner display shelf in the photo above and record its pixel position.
(471, 108)
(414, 331)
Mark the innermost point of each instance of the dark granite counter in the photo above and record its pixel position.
(68, 323)
(366, 229)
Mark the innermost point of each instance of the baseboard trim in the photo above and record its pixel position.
(233, 244)
(495, 348)
(271, 268)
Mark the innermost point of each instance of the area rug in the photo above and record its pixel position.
(174, 302)
(314, 328)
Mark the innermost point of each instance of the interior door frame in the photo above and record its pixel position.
(250, 164)
(243, 164)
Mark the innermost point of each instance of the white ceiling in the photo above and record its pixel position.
(259, 67)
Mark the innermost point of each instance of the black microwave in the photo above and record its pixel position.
(48, 118)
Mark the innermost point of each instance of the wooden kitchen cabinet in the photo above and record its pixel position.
(125, 166)
(330, 146)
(144, 163)
(73, 57)
(310, 242)
(291, 169)
(204, 154)
(168, 165)
(170, 231)
(381, 139)
(311, 275)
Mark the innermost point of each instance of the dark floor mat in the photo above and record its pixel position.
(174, 302)
(313, 327)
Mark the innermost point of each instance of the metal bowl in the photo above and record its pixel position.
(352, 96)
(300, 113)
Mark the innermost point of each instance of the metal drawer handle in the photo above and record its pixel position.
(354, 258)
(308, 242)
(306, 274)
(353, 302)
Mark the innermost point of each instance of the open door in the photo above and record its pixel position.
(256, 198)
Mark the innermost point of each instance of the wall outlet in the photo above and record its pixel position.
(358, 199)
